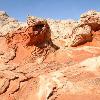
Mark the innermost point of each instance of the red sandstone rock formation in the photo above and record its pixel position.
(50, 60)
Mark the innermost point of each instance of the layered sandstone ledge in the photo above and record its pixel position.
(45, 59)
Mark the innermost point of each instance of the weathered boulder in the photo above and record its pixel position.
(80, 35)
(91, 18)
(34, 38)
(36, 32)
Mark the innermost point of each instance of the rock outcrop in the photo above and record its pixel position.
(91, 18)
(46, 59)
(35, 33)
(7, 24)
(73, 33)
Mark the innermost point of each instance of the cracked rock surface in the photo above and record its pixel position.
(47, 59)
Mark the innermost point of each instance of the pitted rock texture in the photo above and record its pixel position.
(69, 32)
(7, 24)
(36, 32)
(31, 42)
(91, 18)
(50, 59)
